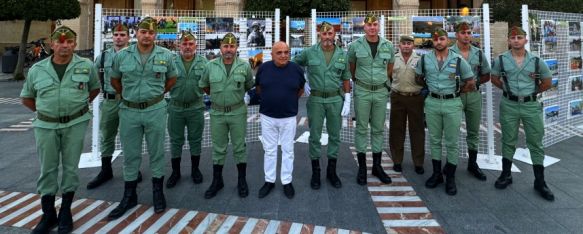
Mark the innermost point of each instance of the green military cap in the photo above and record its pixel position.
(229, 39)
(148, 23)
(462, 26)
(121, 28)
(63, 33)
(403, 38)
(187, 36)
(516, 31)
(438, 32)
(325, 26)
(370, 18)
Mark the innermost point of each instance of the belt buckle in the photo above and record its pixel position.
(373, 88)
(185, 105)
(64, 119)
(227, 109)
(325, 95)
(520, 99)
(142, 105)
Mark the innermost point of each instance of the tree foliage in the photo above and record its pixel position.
(509, 10)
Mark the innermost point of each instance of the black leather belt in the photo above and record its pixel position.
(369, 86)
(406, 93)
(143, 105)
(227, 109)
(182, 104)
(324, 94)
(444, 96)
(109, 96)
(511, 97)
(62, 119)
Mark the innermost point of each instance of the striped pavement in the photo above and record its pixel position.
(23, 210)
(20, 127)
(399, 207)
(13, 101)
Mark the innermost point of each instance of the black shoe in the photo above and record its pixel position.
(139, 180)
(265, 189)
(539, 183)
(217, 183)
(106, 174)
(158, 195)
(436, 178)
(242, 181)
(195, 172)
(65, 217)
(361, 176)
(49, 218)
(175, 176)
(473, 167)
(331, 173)
(377, 169)
(315, 181)
(288, 190)
(129, 200)
(449, 171)
(505, 178)
(397, 167)
(419, 170)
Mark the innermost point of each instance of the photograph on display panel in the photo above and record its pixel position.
(574, 44)
(255, 59)
(575, 61)
(553, 66)
(575, 84)
(553, 91)
(297, 26)
(423, 26)
(551, 114)
(334, 21)
(575, 109)
(574, 29)
(167, 24)
(219, 25)
(256, 32)
(297, 36)
(110, 21)
(358, 25)
(549, 28)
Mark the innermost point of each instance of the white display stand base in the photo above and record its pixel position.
(494, 163)
(87, 160)
(523, 155)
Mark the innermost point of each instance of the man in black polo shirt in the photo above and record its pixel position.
(279, 83)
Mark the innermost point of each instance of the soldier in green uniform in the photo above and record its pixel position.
(186, 109)
(59, 88)
(472, 99)
(109, 118)
(226, 79)
(522, 76)
(327, 68)
(142, 73)
(445, 73)
(371, 59)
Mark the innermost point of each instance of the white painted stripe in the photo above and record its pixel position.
(395, 198)
(111, 224)
(497, 128)
(390, 188)
(183, 222)
(8, 196)
(87, 209)
(34, 215)
(272, 227)
(96, 219)
(483, 128)
(15, 203)
(206, 222)
(302, 121)
(393, 179)
(249, 226)
(382, 164)
(226, 226)
(13, 129)
(296, 228)
(319, 230)
(20, 126)
(137, 222)
(344, 123)
(343, 231)
(402, 210)
(250, 118)
(26, 122)
(161, 221)
(389, 172)
(411, 223)
(19, 211)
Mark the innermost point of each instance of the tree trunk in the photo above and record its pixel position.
(19, 73)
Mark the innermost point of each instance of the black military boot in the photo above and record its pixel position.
(505, 178)
(436, 178)
(539, 183)
(377, 169)
(361, 176)
(217, 183)
(129, 200)
(139, 177)
(49, 219)
(331, 173)
(104, 175)
(195, 172)
(158, 194)
(242, 180)
(449, 171)
(175, 176)
(65, 216)
(315, 181)
(473, 167)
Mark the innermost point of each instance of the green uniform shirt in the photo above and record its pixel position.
(520, 79)
(474, 60)
(442, 80)
(372, 71)
(186, 89)
(107, 65)
(143, 82)
(227, 89)
(56, 98)
(322, 77)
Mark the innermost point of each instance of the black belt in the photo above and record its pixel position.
(143, 105)
(369, 86)
(227, 109)
(63, 119)
(511, 97)
(406, 93)
(444, 96)
(182, 104)
(324, 94)
(109, 96)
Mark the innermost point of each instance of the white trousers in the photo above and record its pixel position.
(278, 131)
